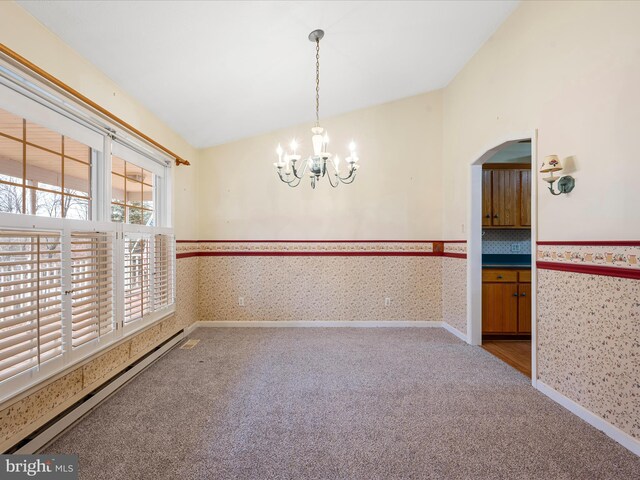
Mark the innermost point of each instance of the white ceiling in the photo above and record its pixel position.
(220, 71)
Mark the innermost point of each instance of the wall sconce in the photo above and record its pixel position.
(552, 164)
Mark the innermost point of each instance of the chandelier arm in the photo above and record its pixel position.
(330, 182)
(335, 174)
(347, 181)
(304, 170)
(291, 184)
(351, 174)
(283, 178)
(295, 171)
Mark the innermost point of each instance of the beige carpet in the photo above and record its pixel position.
(339, 403)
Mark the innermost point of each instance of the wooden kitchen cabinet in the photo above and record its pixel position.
(524, 308)
(487, 211)
(500, 308)
(525, 198)
(506, 302)
(506, 196)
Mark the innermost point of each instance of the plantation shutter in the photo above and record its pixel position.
(30, 300)
(163, 268)
(137, 276)
(92, 279)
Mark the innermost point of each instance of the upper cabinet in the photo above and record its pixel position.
(506, 196)
(525, 198)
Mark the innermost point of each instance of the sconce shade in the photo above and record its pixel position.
(551, 163)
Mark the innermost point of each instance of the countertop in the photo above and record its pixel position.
(506, 261)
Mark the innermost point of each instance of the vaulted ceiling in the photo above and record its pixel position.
(219, 71)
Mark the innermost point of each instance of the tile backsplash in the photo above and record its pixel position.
(500, 241)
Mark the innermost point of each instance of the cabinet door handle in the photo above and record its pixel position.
(499, 276)
(515, 294)
(523, 294)
(495, 216)
(487, 216)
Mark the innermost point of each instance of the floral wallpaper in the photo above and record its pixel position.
(334, 288)
(187, 286)
(588, 337)
(454, 293)
(326, 287)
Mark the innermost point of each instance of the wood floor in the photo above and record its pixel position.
(516, 353)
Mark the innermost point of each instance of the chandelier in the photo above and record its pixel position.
(288, 167)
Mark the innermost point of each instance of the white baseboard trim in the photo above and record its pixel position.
(455, 331)
(190, 328)
(318, 323)
(623, 438)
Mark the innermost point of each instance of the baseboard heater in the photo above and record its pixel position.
(48, 432)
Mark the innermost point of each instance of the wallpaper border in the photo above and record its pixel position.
(609, 258)
(320, 241)
(594, 243)
(401, 248)
(307, 254)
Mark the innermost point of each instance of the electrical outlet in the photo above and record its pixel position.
(387, 302)
(241, 301)
(515, 248)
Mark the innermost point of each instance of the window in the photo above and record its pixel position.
(42, 172)
(87, 253)
(132, 193)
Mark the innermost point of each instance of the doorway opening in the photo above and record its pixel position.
(501, 253)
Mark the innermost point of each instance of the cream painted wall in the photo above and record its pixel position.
(397, 195)
(571, 70)
(24, 34)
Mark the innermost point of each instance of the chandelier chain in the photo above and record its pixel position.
(317, 82)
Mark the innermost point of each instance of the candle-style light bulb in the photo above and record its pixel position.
(279, 152)
(326, 142)
(294, 146)
(352, 147)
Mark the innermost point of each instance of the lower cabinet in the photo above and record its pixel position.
(506, 301)
(524, 308)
